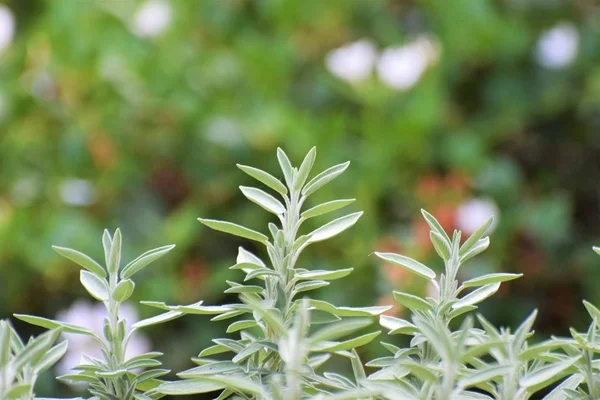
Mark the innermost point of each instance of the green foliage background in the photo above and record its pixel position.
(156, 125)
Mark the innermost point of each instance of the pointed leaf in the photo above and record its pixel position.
(263, 199)
(324, 178)
(265, 178)
(326, 208)
(144, 260)
(234, 229)
(334, 227)
(81, 259)
(477, 296)
(490, 278)
(305, 168)
(408, 264)
(96, 287)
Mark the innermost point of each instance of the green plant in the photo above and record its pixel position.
(277, 354)
(442, 363)
(22, 363)
(114, 377)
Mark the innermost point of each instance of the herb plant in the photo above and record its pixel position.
(283, 338)
(114, 377)
(279, 350)
(21, 363)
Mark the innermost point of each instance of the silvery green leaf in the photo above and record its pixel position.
(474, 238)
(571, 383)
(479, 247)
(361, 311)
(334, 227)
(324, 275)
(51, 324)
(325, 208)
(305, 168)
(534, 351)
(309, 285)
(523, 331)
(81, 259)
(114, 260)
(478, 376)
(158, 319)
(244, 256)
(286, 166)
(96, 287)
(397, 325)
(409, 264)
(460, 311)
(234, 229)
(239, 325)
(123, 290)
(490, 278)
(189, 386)
(17, 391)
(477, 296)
(35, 349)
(245, 289)
(106, 244)
(412, 302)
(324, 178)
(593, 311)
(596, 249)
(144, 260)
(435, 226)
(546, 375)
(51, 357)
(263, 199)
(348, 344)
(265, 178)
(440, 244)
(340, 329)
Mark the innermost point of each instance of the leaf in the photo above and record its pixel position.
(114, 260)
(440, 245)
(324, 178)
(144, 260)
(325, 208)
(479, 247)
(324, 275)
(435, 226)
(263, 199)
(51, 357)
(485, 375)
(305, 168)
(234, 229)
(412, 302)
(477, 296)
(340, 329)
(349, 344)
(408, 264)
(244, 256)
(239, 325)
(17, 391)
(361, 311)
(123, 290)
(158, 319)
(106, 244)
(474, 238)
(265, 178)
(593, 311)
(51, 324)
(286, 166)
(81, 259)
(95, 286)
(334, 227)
(189, 386)
(490, 278)
(397, 325)
(309, 285)
(546, 373)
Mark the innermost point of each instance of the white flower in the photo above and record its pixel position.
(472, 214)
(401, 67)
(77, 192)
(353, 62)
(91, 316)
(152, 18)
(7, 27)
(557, 47)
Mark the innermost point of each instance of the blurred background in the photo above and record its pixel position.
(132, 114)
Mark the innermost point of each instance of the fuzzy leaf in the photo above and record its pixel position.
(324, 178)
(145, 259)
(490, 278)
(325, 208)
(409, 264)
(96, 287)
(234, 229)
(81, 259)
(334, 227)
(265, 178)
(412, 302)
(263, 199)
(477, 296)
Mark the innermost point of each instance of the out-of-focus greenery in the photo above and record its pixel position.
(149, 130)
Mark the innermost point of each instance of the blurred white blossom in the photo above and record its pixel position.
(558, 46)
(401, 67)
(77, 192)
(152, 18)
(471, 214)
(7, 27)
(91, 316)
(353, 62)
